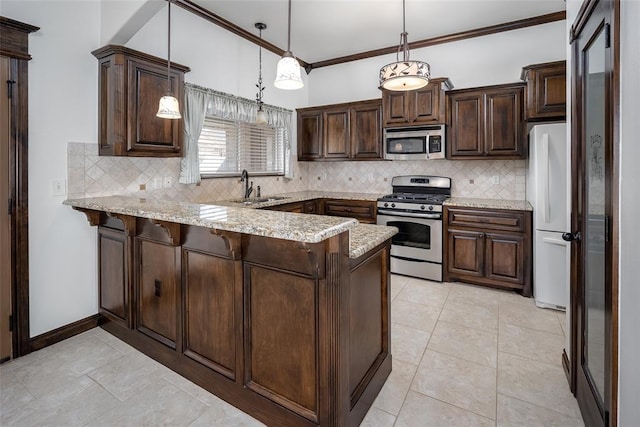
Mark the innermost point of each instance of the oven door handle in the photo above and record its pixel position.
(410, 215)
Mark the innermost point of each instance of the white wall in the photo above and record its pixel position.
(480, 61)
(629, 286)
(62, 108)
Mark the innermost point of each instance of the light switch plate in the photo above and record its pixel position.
(58, 187)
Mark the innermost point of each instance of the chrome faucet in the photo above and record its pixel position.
(244, 177)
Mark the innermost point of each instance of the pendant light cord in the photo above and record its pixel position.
(289, 32)
(404, 45)
(169, 47)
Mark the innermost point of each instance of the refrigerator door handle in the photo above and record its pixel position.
(554, 241)
(545, 177)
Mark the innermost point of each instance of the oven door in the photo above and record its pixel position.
(419, 238)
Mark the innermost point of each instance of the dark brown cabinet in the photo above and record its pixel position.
(158, 281)
(486, 122)
(113, 280)
(488, 247)
(362, 210)
(130, 85)
(351, 131)
(421, 106)
(546, 96)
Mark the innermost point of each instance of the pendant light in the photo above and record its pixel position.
(288, 71)
(405, 74)
(168, 107)
(261, 116)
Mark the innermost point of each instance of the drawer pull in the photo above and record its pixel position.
(158, 286)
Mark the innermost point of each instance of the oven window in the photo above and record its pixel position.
(411, 234)
(408, 145)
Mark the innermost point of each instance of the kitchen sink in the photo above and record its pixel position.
(252, 201)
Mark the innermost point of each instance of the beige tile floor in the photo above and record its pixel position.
(462, 356)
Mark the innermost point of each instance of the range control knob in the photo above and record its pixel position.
(393, 205)
(422, 207)
(430, 208)
(386, 205)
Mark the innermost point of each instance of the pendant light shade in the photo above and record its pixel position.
(168, 107)
(406, 74)
(288, 71)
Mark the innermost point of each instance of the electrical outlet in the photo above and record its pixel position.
(157, 182)
(167, 182)
(58, 187)
(495, 179)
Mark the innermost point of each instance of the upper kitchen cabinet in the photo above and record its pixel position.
(416, 107)
(350, 131)
(546, 96)
(130, 85)
(486, 122)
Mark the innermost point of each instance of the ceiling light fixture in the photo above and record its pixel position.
(261, 116)
(405, 74)
(168, 107)
(288, 71)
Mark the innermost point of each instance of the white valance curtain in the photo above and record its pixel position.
(200, 102)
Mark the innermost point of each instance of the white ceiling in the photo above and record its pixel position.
(326, 29)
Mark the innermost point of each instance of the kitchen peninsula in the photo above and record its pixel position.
(284, 315)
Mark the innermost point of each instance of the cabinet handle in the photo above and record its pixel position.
(158, 285)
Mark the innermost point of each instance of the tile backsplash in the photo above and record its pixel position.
(90, 175)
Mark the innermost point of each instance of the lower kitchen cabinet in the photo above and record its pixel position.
(362, 210)
(488, 247)
(295, 207)
(113, 280)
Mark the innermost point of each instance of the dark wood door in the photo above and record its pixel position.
(147, 132)
(394, 107)
(466, 133)
(424, 105)
(503, 125)
(158, 291)
(310, 135)
(336, 134)
(547, 91)
(113, 275)
(466, 253)
(504, 257)
(594, 313)
(366, 131)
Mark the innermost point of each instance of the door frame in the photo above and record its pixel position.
(14, 44)
(612, 11)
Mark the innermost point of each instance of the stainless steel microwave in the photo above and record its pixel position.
(414, 143)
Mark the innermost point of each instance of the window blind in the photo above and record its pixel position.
(226, 147)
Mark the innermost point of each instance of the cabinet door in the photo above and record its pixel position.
(466, 253)
(424, 105)
(394, 107)
(336, 134)
(210, 320)
(504, 136)
(296, 207)
(310, 135)
(362, 210)
(366, 131)
(157, 291)
(505, 257)
(148, 133)
(466, 134)
(311, 207)
(113, 275)
(546, 91)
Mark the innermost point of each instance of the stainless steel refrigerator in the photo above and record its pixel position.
(548, 189)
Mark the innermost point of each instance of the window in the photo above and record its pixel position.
(226, 147)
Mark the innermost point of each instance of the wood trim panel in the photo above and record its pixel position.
(454, 37)
(64, 332)
(14, 38)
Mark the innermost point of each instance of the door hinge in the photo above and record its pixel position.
(606, 228)
(607, 36)
(11, 320)
(606, 418)
(10, 84)
(10, 207)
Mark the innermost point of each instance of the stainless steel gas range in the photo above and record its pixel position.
(415, 208)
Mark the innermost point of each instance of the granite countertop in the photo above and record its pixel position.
(280, 225)
(463, 202)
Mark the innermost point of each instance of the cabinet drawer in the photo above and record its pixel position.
(493, 220)
(362, 210)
